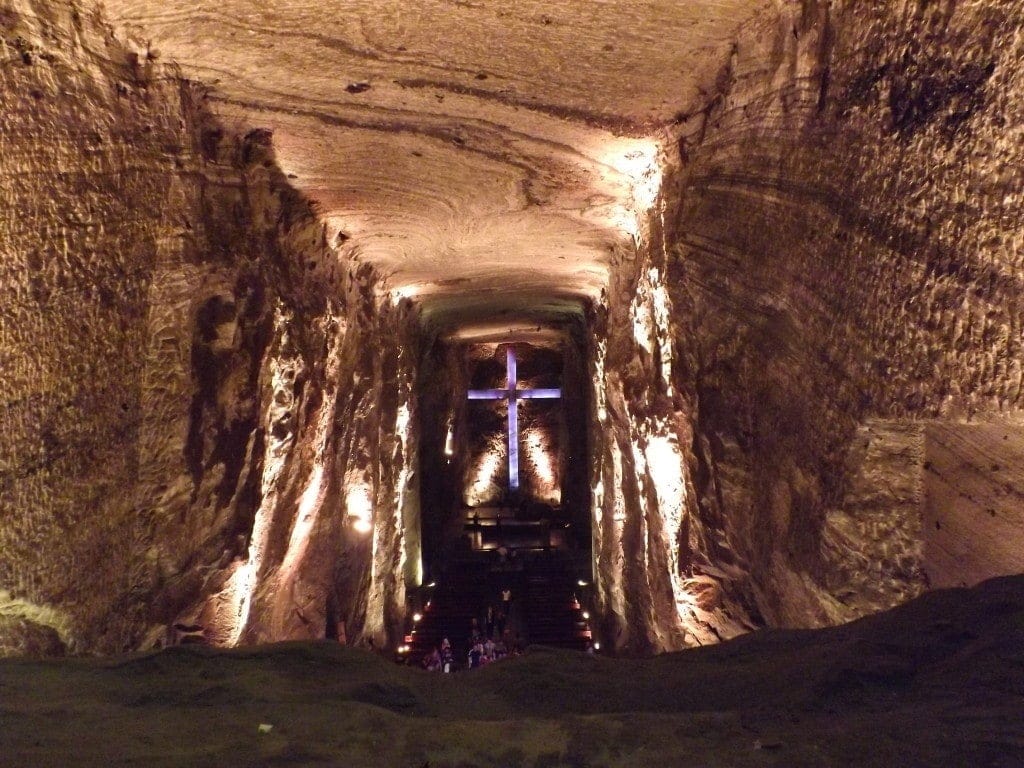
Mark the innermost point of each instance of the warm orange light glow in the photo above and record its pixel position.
(635, 165)
(484, 486)
(539, 452)
(402, 429)
(404, 292)
(304, 521)
(667, 472)
(402, 422)
(536, 448)
(618, 501)
(359, 507)
(650, 312)
(661, 312)
(235, 608)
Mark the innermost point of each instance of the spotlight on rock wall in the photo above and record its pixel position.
(635, 165)
(538, 449)
(404, 292)
(484, 488)
(311, 499)
(666, 465)
(359, 506)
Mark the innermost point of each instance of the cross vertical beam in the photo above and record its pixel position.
(513, 394)
(511, 374)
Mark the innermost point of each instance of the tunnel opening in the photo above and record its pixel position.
(505, 501)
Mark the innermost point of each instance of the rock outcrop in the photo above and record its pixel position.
(936, 682)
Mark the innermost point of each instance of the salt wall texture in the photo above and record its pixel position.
(197, 407)
(843, 267)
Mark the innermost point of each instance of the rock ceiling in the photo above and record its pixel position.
(485, 157)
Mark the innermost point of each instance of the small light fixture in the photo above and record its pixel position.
(597, 646)
(417, 616)
(586, 614)
(581, 582)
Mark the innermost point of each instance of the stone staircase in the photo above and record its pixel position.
(450, 607)
(545, 609)
(551, 608)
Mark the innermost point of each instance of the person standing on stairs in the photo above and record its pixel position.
(489, 622)
(499, 622)
(447, 658)
(475, 654)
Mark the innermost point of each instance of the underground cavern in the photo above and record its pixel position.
(696, 327)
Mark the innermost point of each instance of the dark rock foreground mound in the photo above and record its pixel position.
(936, 682)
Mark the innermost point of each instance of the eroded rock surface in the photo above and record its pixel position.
(973, 514)
(180, 343)
(833, 260)
(848, 249)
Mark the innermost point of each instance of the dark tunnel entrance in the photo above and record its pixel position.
(505, 499)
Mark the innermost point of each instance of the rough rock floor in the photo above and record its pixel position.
(937, 682)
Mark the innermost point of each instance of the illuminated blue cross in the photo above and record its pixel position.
(513, 396)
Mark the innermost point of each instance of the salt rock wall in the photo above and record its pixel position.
(87, 146)
(440, 387)
(192, 376)
(649, 536)
(973, 516)
(848, 261)
(335, 537)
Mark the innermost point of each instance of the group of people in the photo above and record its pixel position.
(482, 651)
(491, 643)
(485, 650)
(440, 659)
